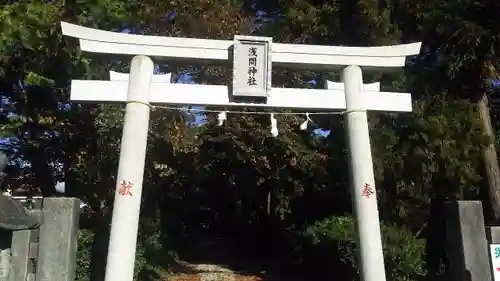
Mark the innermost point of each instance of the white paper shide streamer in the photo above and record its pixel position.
(304, 125)
(274, 125)
(222, 117)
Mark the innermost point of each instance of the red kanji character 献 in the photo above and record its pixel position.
(125, 188)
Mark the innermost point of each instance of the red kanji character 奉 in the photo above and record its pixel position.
(367, 191)
(125, 188)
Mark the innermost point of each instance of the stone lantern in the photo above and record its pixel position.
(13, 216)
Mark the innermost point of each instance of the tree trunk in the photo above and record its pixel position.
(490, 157)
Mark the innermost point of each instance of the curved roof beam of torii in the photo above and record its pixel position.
(208, 50)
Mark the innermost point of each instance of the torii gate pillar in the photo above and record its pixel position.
(127, 205)
(362, 181)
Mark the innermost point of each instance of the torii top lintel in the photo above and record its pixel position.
(314, 57)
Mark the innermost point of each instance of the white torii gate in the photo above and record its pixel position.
(141, 88)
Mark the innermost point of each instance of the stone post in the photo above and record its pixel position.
(24, 254)
(493, 234)
(466, 245)
(58, 240)
(5, 237)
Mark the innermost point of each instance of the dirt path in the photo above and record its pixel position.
(214, 260)
(211, 272)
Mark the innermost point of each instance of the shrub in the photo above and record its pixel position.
(330, 249)
(151, 258)
(84, 254)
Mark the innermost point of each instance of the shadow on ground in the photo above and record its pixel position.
(201, 256)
